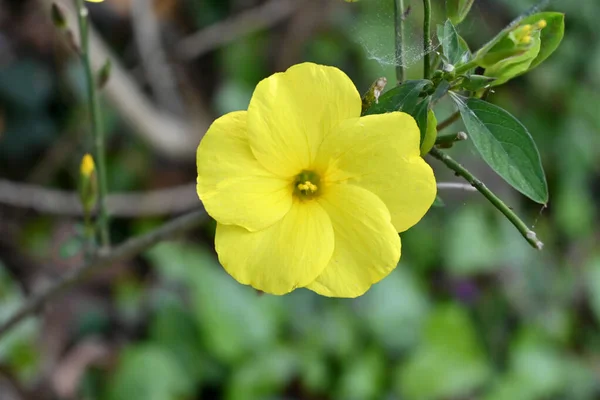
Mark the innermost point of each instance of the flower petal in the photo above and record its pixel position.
(381, 153)
(233, 186)
(367, 246)
(286, 255)
(290, 113)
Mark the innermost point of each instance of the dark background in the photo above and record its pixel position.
(472, 312)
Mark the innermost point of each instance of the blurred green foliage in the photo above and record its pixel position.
(472, 312)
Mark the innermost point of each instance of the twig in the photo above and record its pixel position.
(154, 60)
(51, 201)
(446, 141)
(96, 117)
(456, 185)
(448, 121)
(426, 37)
(126, 250)
(170, 136)
(256, 19)
(527, 233)
(399, 29)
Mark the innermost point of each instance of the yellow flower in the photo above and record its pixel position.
(305, 192)
(87, 165)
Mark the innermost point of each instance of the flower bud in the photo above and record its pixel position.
(521, 46)
(104, 74)
(88, 184)
(58, 16)
(430, 134)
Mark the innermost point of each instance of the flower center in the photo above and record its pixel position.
(306, 185)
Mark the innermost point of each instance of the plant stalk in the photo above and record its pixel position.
(527, 233)
(96, 118)
(399, 29)
(426, 38)
(448, 121)
(128, 249)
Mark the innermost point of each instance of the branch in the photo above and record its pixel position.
(448, 121)
(446, 141)
(399, 30)
(426, 37)
(456, 185)
(51, 201)
(126, 250)
(527, 233)
(219, 34)
(159, 74)
(96, 119)
(170, 136)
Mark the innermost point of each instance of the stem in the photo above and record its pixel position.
(447, 141)
(97, 129)
(527, 233)
(128, 249)
(448, 121)
(399, 25)
(426, 38)
(465, 67)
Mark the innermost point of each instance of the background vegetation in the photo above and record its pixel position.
(472, 311)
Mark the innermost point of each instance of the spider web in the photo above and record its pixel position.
(374, 31)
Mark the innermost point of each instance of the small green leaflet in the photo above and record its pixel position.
(455, 49)
(505, 145)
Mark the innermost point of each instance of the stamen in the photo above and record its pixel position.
(307, 187)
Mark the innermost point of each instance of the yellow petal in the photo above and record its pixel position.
(367, 247)
(233, 186)
(381, 153)
(290, 113)
(287, 255)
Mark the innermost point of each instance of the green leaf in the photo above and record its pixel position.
(395, 310)
(401, 98)
(593, 285)
(365, 377)
(457, 10)
(506, 146)
(474, 83)
(550, 36)
(451, 43)
(440, 91)
(438, 202)
(148, 372)
(233, 319)
(420, 113)
(71, 247)
(455, 49)
(263, 375)
(449, 362)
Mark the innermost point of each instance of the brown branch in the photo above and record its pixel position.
(268, 14)
(126, 250)
(169, 135)
(448, 121)
(174, 200)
